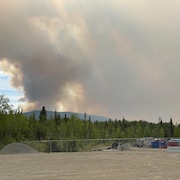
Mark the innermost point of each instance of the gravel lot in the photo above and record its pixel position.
(137, 163)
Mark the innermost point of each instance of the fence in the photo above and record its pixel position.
(77, 145)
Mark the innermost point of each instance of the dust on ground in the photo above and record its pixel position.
(137, 163)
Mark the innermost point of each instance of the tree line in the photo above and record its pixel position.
(15, 126)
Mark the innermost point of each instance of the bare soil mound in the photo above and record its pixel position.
(17, 148)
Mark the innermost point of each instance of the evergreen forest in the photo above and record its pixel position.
(16, 127)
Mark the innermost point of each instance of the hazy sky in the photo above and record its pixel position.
(116, 58)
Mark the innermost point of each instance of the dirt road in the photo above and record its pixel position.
(138, 163)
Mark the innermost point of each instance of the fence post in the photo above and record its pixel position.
(49, 146)
(66, 146)
(84, 143)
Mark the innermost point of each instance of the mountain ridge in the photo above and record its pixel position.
(68, 114)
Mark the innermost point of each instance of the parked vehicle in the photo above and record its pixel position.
(173, 145)
(174, 142)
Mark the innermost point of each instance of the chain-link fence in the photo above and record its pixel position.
(78, 145)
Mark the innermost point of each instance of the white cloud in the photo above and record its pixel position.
(7, 90)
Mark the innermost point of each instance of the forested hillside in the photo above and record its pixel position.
(81, 116)
(15, 126)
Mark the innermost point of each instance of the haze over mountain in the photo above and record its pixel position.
(82, 116)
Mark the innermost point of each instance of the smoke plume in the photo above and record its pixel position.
(42, 52)
(115, 58)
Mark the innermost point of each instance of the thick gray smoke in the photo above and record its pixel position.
(115, 58)
(42, 50)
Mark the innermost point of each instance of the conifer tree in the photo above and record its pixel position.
(171, 127)
(43, 115)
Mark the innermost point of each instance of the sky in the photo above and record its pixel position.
(116, 58)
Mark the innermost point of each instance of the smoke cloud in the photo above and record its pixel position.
(115, 58)
(40, 49)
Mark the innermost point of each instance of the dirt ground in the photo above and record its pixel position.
(137, 163)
